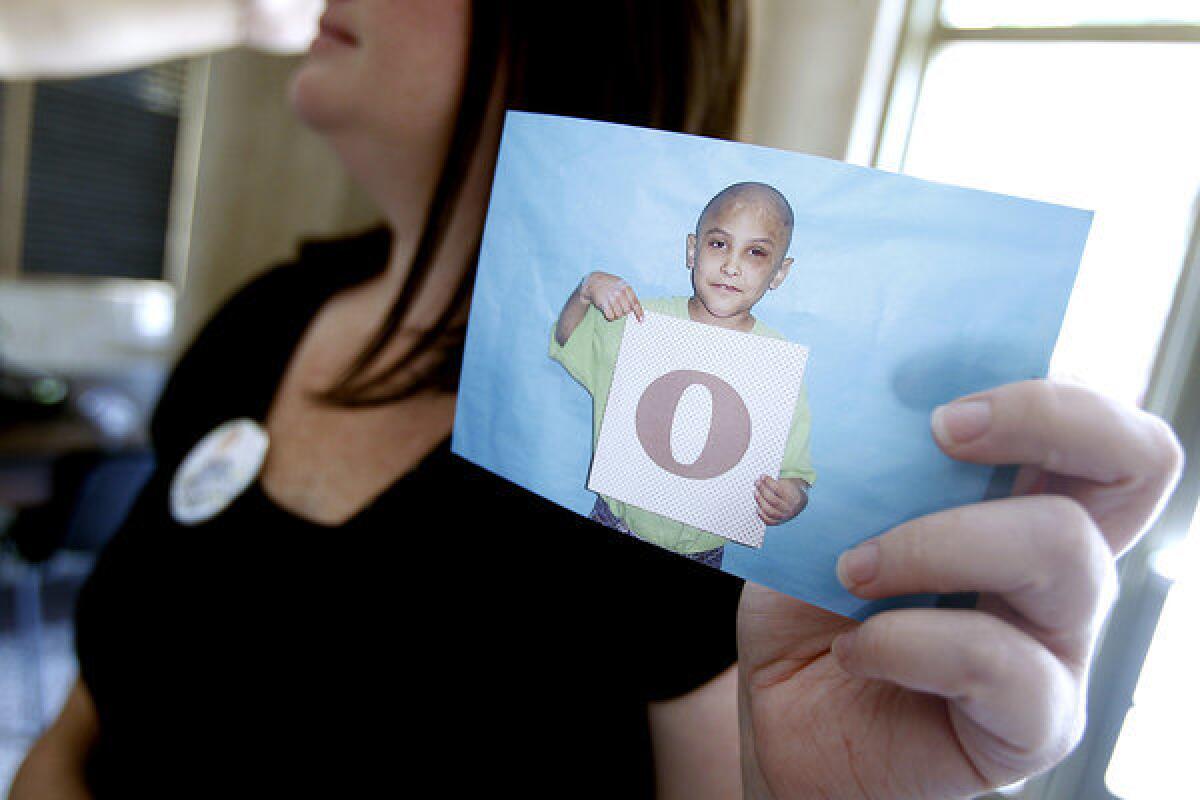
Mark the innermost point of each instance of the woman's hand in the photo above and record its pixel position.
(939, 703)
(611, 295)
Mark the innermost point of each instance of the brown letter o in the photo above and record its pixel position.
(728, 433)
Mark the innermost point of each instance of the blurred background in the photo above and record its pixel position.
(149, 164)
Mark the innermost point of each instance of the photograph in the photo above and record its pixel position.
(732, 352)
(699, 399)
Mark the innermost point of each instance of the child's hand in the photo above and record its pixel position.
(611, 295)
(779, 500)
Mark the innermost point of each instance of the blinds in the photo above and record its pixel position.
(99, 175)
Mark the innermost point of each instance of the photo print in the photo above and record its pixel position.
(732, 352)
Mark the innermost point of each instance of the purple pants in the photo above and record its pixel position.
(603, 514)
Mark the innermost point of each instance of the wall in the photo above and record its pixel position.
(263, 182)
(807, 62)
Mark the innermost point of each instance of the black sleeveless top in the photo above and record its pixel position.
(459, 635)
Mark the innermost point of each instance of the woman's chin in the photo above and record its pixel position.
(314, 99)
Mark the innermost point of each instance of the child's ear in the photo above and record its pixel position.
(691, 250)
(781, 273)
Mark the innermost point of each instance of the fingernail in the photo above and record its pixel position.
(961, 422)
(858, 566)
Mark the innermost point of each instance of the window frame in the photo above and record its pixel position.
(923, 34)
(16, 132)
(1173, 391)
(17, 106)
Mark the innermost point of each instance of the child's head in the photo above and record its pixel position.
(739, 249)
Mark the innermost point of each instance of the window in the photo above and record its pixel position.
(1151, 759)
(1088, 103)
(88, 172)
(1084, 116)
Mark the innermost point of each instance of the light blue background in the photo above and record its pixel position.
(908, 293)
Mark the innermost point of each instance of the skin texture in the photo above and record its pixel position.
(381, 85)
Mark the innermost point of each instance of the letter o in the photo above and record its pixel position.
(728, 432)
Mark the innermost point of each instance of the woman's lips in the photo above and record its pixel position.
(330, 32)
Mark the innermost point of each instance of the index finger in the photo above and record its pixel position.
(1124, 460)
(637, 304)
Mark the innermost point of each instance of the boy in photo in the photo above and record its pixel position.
(737, 253)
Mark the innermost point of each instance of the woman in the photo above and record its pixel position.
(321, 634)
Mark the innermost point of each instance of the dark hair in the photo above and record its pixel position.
(670, 64)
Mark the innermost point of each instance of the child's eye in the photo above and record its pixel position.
(758, 252)
(716, 244)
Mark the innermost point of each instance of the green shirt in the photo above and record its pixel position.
(590, 355)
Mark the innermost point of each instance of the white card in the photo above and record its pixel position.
(695, 414)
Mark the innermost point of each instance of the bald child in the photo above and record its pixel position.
(737, 254)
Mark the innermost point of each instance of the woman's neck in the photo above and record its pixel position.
(402, 180)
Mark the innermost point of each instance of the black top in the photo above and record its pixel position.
(259, 651)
